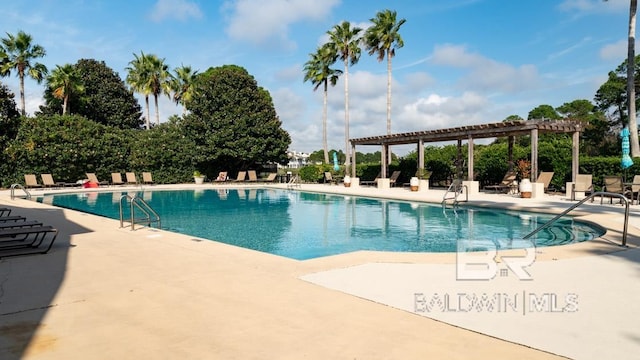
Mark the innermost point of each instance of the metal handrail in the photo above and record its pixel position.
(601, 194)
(13, 188)
(293, 182)
(456, 188)
(136, 202)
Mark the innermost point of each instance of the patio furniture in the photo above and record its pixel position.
(328, 178)
(47, 180)
(253, 177)
(545, 178)
(30, 181)
(147, 178)
(241, 176)
(94, 179)
(583, 184)
(131, 178)
(116, 179)
(506, 185)
(612, 184)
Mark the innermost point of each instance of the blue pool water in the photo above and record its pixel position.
(303, 225)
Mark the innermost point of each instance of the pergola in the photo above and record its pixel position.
(508, 129)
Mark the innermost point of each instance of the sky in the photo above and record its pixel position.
(464, 62)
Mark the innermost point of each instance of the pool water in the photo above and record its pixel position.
(302, 225)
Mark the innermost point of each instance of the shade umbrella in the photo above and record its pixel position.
(626, 161)
(336, 167)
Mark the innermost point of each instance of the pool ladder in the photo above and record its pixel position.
(590, 197)
(134, 203)
(294, 182)
(455, 189)
(13, 189)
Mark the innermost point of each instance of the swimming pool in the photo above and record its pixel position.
(303, 225)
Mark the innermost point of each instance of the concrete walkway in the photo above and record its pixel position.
(105, 292)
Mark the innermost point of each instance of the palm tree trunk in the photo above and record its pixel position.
(631, 91)
(389, 99)
(23, 107)
(347, 162)
(64, 104)
(146, 100)
(155, 98)
(324, 124)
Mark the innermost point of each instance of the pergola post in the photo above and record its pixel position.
(534, 155)
(459, 160)
(420, 154)
(575, 156)
(470, 176)
(512, 140)
(383, 161)
(353, 163)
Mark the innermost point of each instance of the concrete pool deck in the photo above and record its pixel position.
(105, 292)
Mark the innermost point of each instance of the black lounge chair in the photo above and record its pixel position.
(27, 241)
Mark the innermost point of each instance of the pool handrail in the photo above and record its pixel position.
(590, 197)
(13, 188)
(136, 202)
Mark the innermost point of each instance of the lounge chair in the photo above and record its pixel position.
(147, 178)
(5, 212)
(26, 240)
(371, 182)
(545, 178)
(131, 178)
(116, 179)
(94, 179)
(241, 176)
(328, 178)
(222, 177)
(505, 185)
(612, 184)
(634, 189)
(582, 184)
(253, 177)
(393, 179)
(271, 177)
(47, 180)
(30, 181)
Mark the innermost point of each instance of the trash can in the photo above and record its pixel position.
(288, 176)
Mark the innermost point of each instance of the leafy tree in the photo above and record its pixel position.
(182, 84)
(157, 80)
(597, 136)
(318, 70)
(18, 53)
(64, 81)
(9, 123)
(383, 38)
(543, 112)
(233, 122)
(513, 118)
(105, 100)
(345, 44)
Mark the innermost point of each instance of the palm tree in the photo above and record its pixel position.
(64, 81)
(345, 44)
(158, 80)
(137, 77)
(318, 71)
(18, 53)
(631, 91)
(383, 38)
(182, 84)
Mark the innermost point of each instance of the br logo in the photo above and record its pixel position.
(476, 260)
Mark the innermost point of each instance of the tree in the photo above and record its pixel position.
(383, 38)
(543, 112)
(157, 79)
(182, 85)
(631, 90)
(233, 122)
(105, 99)
(513, 118)
(9, 119)
(64, 81)
(345, 44)
(597, 137)
(19, 54)
(138, 78)
(318, 70)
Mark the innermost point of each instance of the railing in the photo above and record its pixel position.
(456, 188)
(13, 189)
(590, 197)
(293, 182)
(138, 203)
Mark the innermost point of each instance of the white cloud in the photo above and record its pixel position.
(614, 51)
(260, 21)
(436, 111)
(585, 6)
(175, 9)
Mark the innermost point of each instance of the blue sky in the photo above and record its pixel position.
(464, 61)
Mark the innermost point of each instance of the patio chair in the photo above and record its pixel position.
(47, 180)
(30, 181)
(116, 179)
(612, 184)
(131, 178)
(147, 178)
(222, 177)
(94, 179)
(505, 185)
(328, 178)
(393, 179)
(545, 178)
(582, 184)
(271, 177)
(634, 189)
(371, 182)
(253, 177)
(241, 176)
(26, 240)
